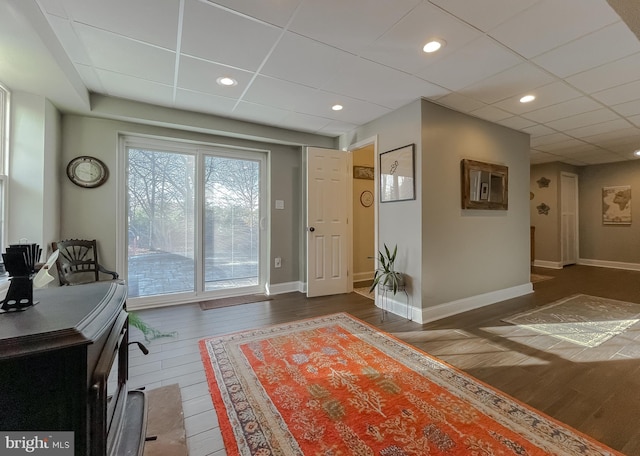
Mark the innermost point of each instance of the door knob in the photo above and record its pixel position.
(312, 229)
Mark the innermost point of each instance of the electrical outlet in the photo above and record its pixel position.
(277, 262)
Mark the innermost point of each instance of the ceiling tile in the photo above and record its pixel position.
(90, 78)
(335, 128)
(616, 125)
(348, 25)
(366, 80)
(306, 122)
(234, 40)
(590, 51)
(516, 122)
(635, 120)
(564, 109)
(628, 109)
(69, 40)
(582, 120)
(459, 102)
(201, 75)
(54, 7)
(354, 111)
(470, 64)
(260, 113)
(151, 21)
(517, 80)
(486, 14)
(490, 113)
(125, 86)
(276, 12)
(537, 157)
(549, 139)
(539, 130)
(619, 94)
(552, 23)
(278, 93)
(123, 55)
(401, 46)
(609, 75)
(564, 146)
(547, 95)
(203, 102)
(601, 158)
(304, 61)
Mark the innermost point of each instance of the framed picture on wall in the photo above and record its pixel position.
(616, 205)
(397, 174)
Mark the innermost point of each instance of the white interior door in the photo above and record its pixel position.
(327, 221)
(569, 214)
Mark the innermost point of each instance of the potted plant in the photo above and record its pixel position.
(385, 274)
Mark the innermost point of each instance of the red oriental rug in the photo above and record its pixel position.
(334, 385)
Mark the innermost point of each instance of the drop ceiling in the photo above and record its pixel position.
(294, 59)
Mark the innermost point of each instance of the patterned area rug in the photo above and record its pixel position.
(334, 385)
(582, 319)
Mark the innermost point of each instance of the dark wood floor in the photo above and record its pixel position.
(595, 390)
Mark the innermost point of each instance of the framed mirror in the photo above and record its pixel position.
(484, 185)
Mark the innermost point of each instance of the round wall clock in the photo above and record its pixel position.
(87, 172)
(366, 198)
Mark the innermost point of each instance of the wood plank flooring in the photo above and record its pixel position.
(595, 390)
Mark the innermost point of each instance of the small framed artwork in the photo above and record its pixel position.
(363, 172)
(616, 205)
(397, 174)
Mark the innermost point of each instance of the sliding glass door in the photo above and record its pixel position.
(193, 221)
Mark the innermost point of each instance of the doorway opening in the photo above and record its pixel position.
(364, 217)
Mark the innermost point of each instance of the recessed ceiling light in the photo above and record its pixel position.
(637, 153)
(337, 107)
(226, 81)
(527, 98)
(433, 46)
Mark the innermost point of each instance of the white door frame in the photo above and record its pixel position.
(373, 140)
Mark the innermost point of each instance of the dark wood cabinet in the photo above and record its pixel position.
(48, 357)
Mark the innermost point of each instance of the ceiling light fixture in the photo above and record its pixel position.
(433, 46)
(637, 153)
(226, 81)
(337, 107)
(527, 98)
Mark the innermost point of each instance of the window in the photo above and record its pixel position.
(193, 217)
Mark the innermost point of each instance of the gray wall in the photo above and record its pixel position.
(91, 213)
(470, 252)
(451, 254)
(547, 227)
(618, 243)
(399, 222)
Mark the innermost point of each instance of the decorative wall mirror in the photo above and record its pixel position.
(484, 185)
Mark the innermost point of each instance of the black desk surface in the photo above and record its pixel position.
(63, 316)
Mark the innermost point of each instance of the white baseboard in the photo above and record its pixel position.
(473, 302)
(547, 264)
(287, 287)
(362, 276)
(609, 264)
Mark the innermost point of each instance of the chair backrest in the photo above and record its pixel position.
(77, 261)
